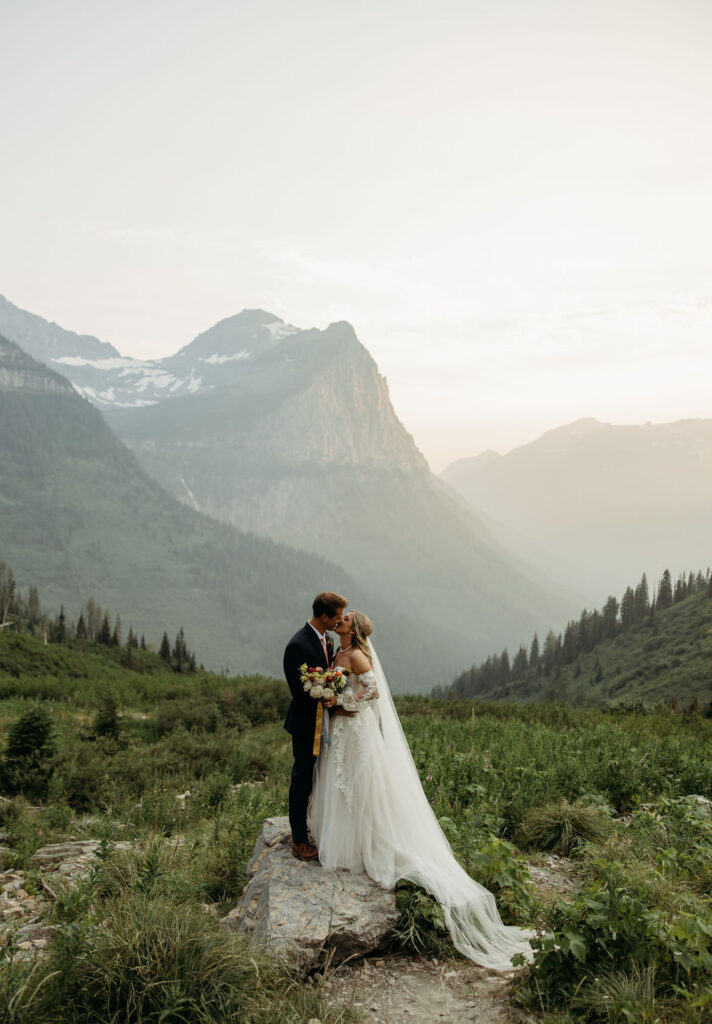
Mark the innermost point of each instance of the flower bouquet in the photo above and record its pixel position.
(322, 683)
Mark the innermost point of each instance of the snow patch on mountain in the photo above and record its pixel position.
(216, 360)
(281, 330)
(98, 364)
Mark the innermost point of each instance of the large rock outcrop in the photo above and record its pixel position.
(305, 914)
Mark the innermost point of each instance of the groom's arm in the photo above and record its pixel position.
(294, 657)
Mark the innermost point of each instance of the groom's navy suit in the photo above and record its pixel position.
(304, 647)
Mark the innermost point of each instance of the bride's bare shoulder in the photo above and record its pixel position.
(359, 663)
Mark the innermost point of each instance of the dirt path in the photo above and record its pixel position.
(419, 990)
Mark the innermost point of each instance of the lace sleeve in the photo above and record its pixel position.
(362, 689)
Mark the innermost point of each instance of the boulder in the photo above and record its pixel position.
(305, 914)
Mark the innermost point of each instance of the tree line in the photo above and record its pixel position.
(94, 625)
(579, 637)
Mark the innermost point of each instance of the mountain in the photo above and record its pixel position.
(605, 502)
(79, 517)
(290, 434)
(48, 342)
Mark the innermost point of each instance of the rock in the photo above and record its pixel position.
(58, 852)
(34, 932)
(301, 911)
(703, 801)
(10, 909)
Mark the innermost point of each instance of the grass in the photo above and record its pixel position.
(497, 775)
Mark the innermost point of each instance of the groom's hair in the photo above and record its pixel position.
(328, 603)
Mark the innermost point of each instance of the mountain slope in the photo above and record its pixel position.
(608, 501)
(79, 517)
(661, 658)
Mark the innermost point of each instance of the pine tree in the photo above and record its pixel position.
(104, 634)
(534, 652)
(62, 627)
(165, 649)
(116, 635)
(180, 652)
(143, 642)
(30, 747)
(628, 616)
(665, 591)
(609, 618)
(106, 722)
(642, 599)
(81, 627)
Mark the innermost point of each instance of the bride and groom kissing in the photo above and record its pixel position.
(362, 798)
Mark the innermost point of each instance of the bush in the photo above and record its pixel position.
(563, 826)
(26, 767)
(187, 713)
(421, 928)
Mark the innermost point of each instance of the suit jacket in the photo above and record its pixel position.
(303, 647)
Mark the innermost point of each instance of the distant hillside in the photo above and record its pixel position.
(79, 517)
(290, 434)
(604, 502)
(641, 650)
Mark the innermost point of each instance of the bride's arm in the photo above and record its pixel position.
(363, 689)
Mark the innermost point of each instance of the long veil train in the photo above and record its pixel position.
(424, 855)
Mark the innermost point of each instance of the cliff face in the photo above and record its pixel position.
(18, 372)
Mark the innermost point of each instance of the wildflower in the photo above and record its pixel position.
(428, 778)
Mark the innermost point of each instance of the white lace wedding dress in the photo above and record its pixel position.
(368, 812)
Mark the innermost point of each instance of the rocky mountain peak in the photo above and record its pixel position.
(48, 341)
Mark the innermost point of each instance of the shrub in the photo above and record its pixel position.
(26, 767)
(421, 928)
(106, 722)
(187, 713)
(563, 826)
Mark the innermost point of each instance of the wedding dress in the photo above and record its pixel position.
(368, 812)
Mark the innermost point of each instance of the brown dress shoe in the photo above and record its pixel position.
(304, 851)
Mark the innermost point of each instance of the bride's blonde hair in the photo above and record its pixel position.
(361, 629)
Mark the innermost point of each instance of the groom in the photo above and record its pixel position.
(308, 645)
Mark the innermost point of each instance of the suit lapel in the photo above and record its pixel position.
(313, 641)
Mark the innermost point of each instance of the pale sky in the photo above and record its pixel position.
(510, 201)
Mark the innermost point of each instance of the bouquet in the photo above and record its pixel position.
(323, 682)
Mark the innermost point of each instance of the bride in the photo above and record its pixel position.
(368, 811)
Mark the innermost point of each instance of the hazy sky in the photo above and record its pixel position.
(511, 201)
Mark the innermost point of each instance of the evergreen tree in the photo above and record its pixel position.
(534, 652)
(143, 642)
(642, 599)
(106, 722)
(116, 635)
(165, 649)
(81, 627)
(26, 767)
(61, 627)
(628, 616)
(609, 619)
(665, 591)
(104, 634)
(180, 652)
(131, 641)
(520, 663)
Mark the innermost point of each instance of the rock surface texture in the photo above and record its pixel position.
(304, 914)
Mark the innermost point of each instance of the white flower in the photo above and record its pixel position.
(317, 691)
(327, 692)
(307, 686)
